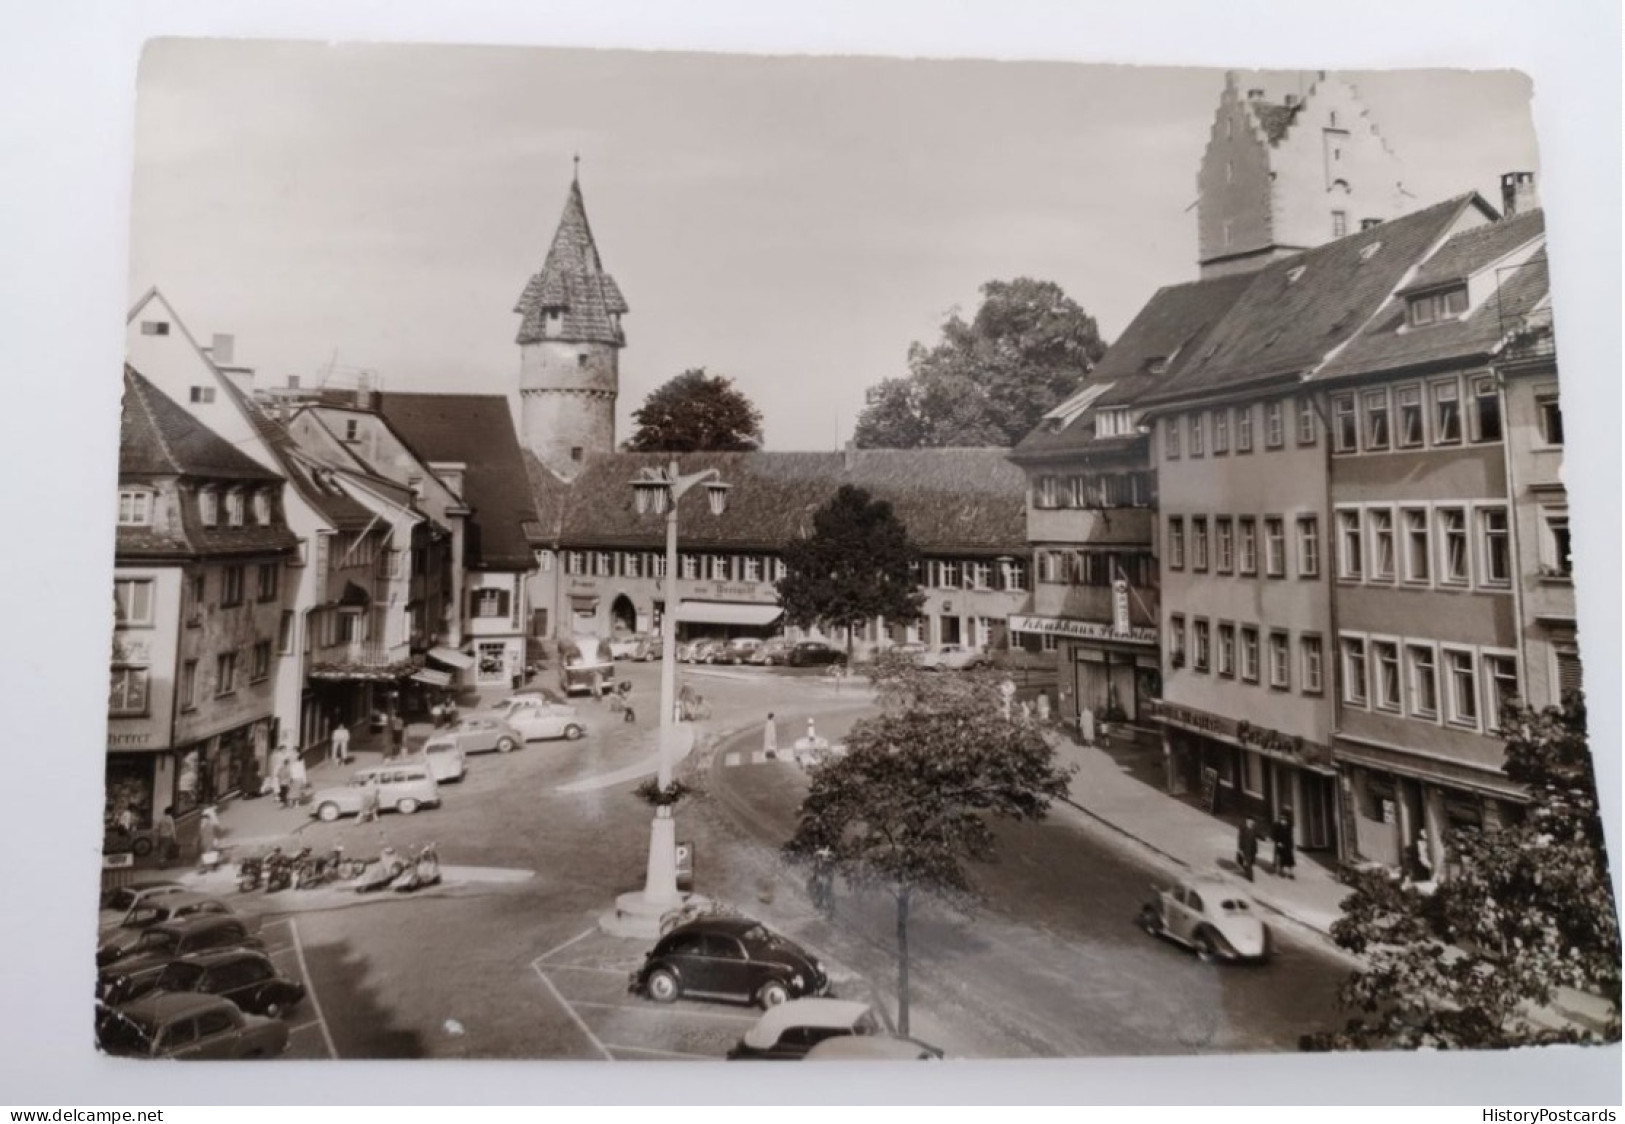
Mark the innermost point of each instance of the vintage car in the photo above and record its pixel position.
(479, 733)
(872, 1048)
(1209, 915)
(535, 716)
(951, 657)
(737, 651)
(118, 905)
(242, 975)
(623, 646)
(731, 958)
(789, 1031)
(814, 653)
(771, 653)
(188, 1025)
(404, 785)
(585, 666)
(446, 759)
(650, 648)
(155, 910)
(136, 973)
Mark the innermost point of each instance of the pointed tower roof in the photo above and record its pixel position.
(573, 283)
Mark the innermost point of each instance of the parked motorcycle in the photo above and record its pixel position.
(252, 869)
(422, 871)
(381, 872)
(278, 871)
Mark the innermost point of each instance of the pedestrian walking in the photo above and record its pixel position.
(1247, 847)
(371, 800)
(284, 781)
(166, 834)
(341, 744)
(1286, 860)
(770, 737)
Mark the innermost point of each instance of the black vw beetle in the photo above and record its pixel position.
(731, 958)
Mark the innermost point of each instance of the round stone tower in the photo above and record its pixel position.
(570, 341)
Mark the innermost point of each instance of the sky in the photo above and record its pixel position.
(791, 223)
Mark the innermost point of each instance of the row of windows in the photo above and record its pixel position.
(1095, 567)
(133, 597)
(1460, 686)
(1243, 544)
(1247, 652)
(1009, 575)
(690, 567)
(130, 690)
(1095, 490)
(1418, 415)
(1426, 545)
(1227, 429)
(241, 505)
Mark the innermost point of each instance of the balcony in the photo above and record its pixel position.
(359, 660)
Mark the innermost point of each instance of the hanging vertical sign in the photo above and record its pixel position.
(1120, 625)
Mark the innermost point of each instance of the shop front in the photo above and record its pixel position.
(1111, 672)
(231, 763)
(726, 619)
(1235, 767)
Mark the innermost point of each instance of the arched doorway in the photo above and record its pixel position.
(623, 615)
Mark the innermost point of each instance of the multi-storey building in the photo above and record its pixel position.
(1429, 568)
(1241, 453)
(1091, 512)
(201, 613)
(603, 572)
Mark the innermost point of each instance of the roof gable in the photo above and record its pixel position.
(158, 437)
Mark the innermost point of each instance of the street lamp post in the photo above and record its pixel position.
(638, 914)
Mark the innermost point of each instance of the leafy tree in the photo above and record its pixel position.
(858, 564)
(1527, 908)
(989, 381)
(908, 804)
(696, 412)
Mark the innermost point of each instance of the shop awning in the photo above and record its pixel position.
(584, 604)
(451, 657)
(432, 677)
(752, 614)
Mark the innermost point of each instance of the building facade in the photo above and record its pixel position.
(202, 609)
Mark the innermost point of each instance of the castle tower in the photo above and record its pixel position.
(1286, 172)
(570, 341)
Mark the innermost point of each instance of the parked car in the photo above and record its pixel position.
(118, 942)
(872, 1048)
(772, 652)
(814, 653)
(650, 648)
(585, 665)
(137, 971)
(790, 1030)
(732, 958)
(187, 1025)
(244, 976)
(952, 657)
(404, 785)
(690, 651)
(1217, 920)
(708, 651)
(118, 904)
(446, 759)
(480, 733)
(535, 717)
(738, 650)
(625, 645)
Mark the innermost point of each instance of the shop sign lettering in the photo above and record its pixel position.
(1072, 629)
(116, 740)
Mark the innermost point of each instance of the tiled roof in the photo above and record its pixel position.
(969, 501)
(1296, 310)
(158, 437)
(1168, 332)
(572, 280)
(1473, 250)
(1385, 347)
(477, 430)
(158, 440)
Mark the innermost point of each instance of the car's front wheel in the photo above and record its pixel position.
(772, 994)
(572, 732)
(662, 986)
(1206, 951)
(328, 812)
(505, 745)
(406, 806)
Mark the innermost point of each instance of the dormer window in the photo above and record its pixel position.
(1113, 423)
(1446, 304)
(134, 507)
(262, 507)
(234, 508)
(1156, 364)
(208, 503)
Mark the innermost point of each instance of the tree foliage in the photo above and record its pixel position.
(858, 564)
(989, 381)
(909, 803)
(1527, 908)
(696, 412)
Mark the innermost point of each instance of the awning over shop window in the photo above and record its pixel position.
(433, 678)
(750, 614)
(584, 604)
(451, 657)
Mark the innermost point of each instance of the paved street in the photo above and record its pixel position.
(505, 958)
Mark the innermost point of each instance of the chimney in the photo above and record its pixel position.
(1255, 95)
(293, 382)
(221, 349)
(1518, 194)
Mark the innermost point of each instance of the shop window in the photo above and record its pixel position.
(1252, 773)
(128, 695)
